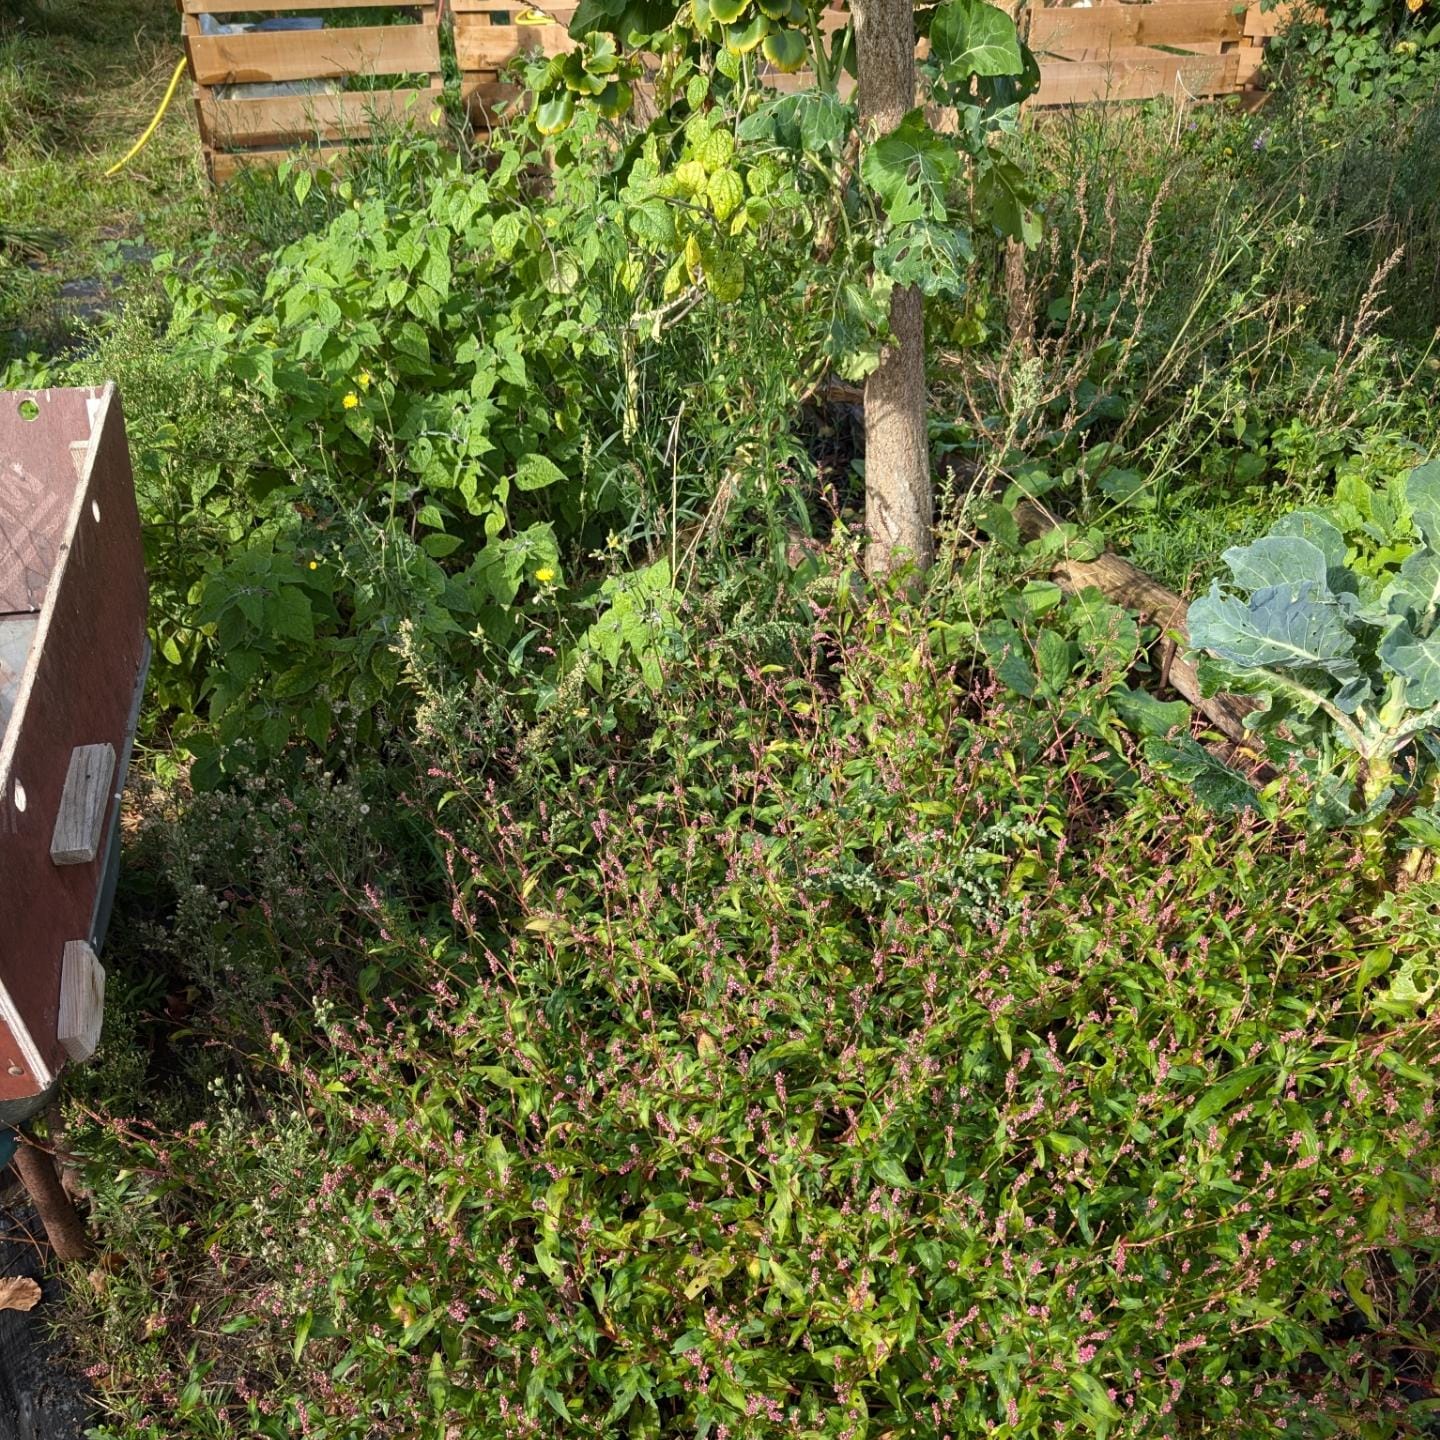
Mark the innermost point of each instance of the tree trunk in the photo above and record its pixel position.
(899, 509)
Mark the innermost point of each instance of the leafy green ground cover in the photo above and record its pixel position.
(586, 965)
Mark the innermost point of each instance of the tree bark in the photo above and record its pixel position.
(899, 508)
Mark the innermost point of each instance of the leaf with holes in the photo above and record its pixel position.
(1283, 627)
(1417, 661)
(969, 37)
(910, 169)
(535, 472)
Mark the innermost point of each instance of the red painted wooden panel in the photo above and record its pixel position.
(79, 687)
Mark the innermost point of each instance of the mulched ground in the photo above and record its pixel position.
(40, 1397)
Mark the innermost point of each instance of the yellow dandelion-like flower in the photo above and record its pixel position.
(544, 574)
(351, 401)
(363, 379)
(314, 564)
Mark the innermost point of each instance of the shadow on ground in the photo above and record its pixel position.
(41, 1398)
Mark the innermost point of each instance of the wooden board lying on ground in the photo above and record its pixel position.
(1125, 584)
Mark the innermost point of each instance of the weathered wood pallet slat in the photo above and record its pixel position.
(1088, 55)
(83, 804)
(491, 47)
(1170, 22)
(304, 119)
(236, 7)
(242, 131)
(1093, 82)
(225, 165)
(314, 54)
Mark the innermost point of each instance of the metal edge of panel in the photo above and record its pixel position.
(110, 876)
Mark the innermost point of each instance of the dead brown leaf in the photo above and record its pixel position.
(19, 1294)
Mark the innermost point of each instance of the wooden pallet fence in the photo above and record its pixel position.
(1187, 49)
(238, 131)
(489, 36)
(1088, 54)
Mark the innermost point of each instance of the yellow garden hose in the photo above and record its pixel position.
(139, 145)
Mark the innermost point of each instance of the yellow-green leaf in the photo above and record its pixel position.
(786, 50)
(694, 257)
(726, 192)
(552, 116)
(742, 39)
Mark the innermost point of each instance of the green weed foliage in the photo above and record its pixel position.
(1362, 50)
(451, 411)
(845, 1060)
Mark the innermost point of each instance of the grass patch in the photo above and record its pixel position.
(78, 84)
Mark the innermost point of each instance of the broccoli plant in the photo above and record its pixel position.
(1344, 657)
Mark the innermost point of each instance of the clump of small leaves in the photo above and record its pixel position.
(847, 1060)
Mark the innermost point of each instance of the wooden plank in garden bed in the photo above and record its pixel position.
(1261, 24)
(227, 164)
(313, 54)
(561, 14)
(1087, 55)
(1249, 62)
(352, 115)
(483, 95)
(1117, 53)
(235, 7)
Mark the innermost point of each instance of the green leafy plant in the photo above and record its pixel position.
(1341, 645)
(1359, 50)
(457, 425)
(895, 202)
(905, 216)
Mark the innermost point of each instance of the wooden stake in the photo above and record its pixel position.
(57, 1213)
(1122, 584)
